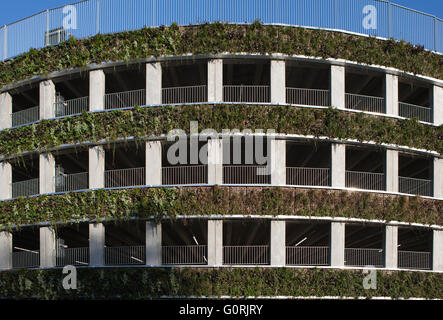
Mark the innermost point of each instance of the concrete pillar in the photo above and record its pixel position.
(437, 105)
(438, 178)
(47, 247)
(5, 111)
(153, 83)
(437, 250)
(337, 245)
(5, 180)
(47, 100)
(278, 81)
(215, 161)
(153, 163)
(47, 173)
(96, 167)
(391, 94)
(96, 244)
(153, 244)
(278, 243)
(392, 170)
(215, 80)
(338, 87)
(278, 162)
(215, 242)
(391, 245)
(97, 87)
(338, 165)
(5, 250)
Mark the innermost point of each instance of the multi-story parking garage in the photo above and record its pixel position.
(355, 179)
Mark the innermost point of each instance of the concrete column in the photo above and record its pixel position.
(153, 83)
(96, 167)
(215, 161)
(437, 250)
(338, 87)
(278, 81)
(392, 170)
(47, 173)
(5, 250)
(391, 94)
(278, 243)
(153, 163)
(47, 247)
(47, 100)
(5, 180)
(391, 245)
(96, 244)
(5, 111)
(215, 242)
(97, 87)
(338, 165)
(215, 80)
(278, 162)
(437, 105)
(438, 178)
(337, 244)
(153, 244)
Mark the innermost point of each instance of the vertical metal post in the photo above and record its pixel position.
(335, 14)
(435, 34)
(5, 42)
(97, 26)
(47, 28)
(389, 20)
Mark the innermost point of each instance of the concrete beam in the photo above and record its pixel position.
(96, 167)
(47, 247)
(391, 170)
(278, 81)
(5, 111)
(215, 161)
(46, 173)
(97, 87)
(437, 250)
(5, 180)
(96, 244)
(337, 245)
(153, 163)
(47, 100)
(153, 83)
(278, 243)
(438, 178)
(338, 165)
(391, 94)
(153, 244)
(5, 250)
(437, 105)
(215, 242)
(278, 162)
(215, 80)
(338, 87)
(391, 247)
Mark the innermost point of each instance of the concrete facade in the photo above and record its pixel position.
(153, 83)
(391, 246)
(437, 105)
(278, 82)
(153, 163)
(392, 170)
(337, 250)
(153, 244)
(437, 250)
(215, 161)
(5, 250)
(47, 173)
(96, 167)
(96, 244)
(47, 247)
(278, 162)
(5, 111)
(338, 165)
(215, 80)
(278, 243)
(5, 180)
(47, 100)
(338, 87)
(97, 87)
(391, 94)
(215, 242)
(438, 178)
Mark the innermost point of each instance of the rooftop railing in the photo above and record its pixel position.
(365, 103)
(25, 188)
(422, 187)
(365, 180)
(245, 255)
(70, 107)
(310, 97)
(307, 256)
(307, 176)
(182, 255)
(414, 260)
(125, 99)
(25, 116)
(421, 113)
(361, 257)
(246, 93)
(192, 94)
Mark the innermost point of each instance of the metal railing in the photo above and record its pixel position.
(422, 187)
(307, 176)
(125, 255)
(408, 110)
(307, 256)
(246, 93)
(73, 106)
(26, 259)
(125, 99)
(244, 255)
(365, 103)
(365, 180)
(415, 260)
(245, 174)
(361, 257)
(71, 182)
(25, 188)
(130, 177)
(310, 97)
(197, 174)
(182, 255)
(191, 94)
(25, 116)
(72, 256)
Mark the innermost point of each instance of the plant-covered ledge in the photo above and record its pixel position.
(157, 121)
(170, 202)
(218, 38)
(146, 283)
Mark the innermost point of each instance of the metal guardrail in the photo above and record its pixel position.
(25, 116)
(71, 182)
(245, 255)
(365, 180)
(182, 255)
(125, 99)
(310, 97)
(408, 110)
(307, 176)
(72, 256)
(307, 256)
(197, 174)
(245, 174)
(365, 103)
(361, 257)
(25, 188)
(130, 177)
(245, 93)
(191, 94)
(125, 255)
(73, 106)
(422, 187)
(26, 259)
(415, 260)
